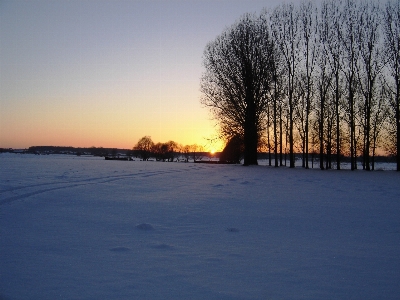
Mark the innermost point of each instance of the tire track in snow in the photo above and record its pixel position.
(76, 183)
(113, 178)
(26, 195)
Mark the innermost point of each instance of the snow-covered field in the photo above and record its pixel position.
(86, 228)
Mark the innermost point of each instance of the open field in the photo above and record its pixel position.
(85, 228)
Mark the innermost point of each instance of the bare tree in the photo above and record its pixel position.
(144, 146)
(197, 152)
(159, 150)
(330, 130)
(268, 141)
(348, 39)
(378, 117)
(232, 153)
(324, 77)
(331, 12)
(165, 151)
(308, 18)
(186, 150)
(392, 45)
(277, 90)
(173, 150)
(369, 68)
(277, 106)
(320, 70)
(390, 132)
(299, 97)
(275, 99)
(237, 78)
(286, 32)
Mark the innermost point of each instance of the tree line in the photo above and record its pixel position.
(169, 151)
(308, 79)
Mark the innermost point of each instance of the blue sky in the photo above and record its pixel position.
(105, 73)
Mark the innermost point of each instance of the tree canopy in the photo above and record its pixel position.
(236, 80)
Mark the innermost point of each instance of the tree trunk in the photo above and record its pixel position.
(368, 110)
(352, 131)
(250, 134)
(280, 137)
(250, 146)
(291, 139)
(373, 153)
(268, 138)
(337, 121)
(321, 135)
(397, 102)
(275, 123)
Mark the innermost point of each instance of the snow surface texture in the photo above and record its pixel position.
(86, 228)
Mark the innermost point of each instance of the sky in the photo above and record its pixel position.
(105, 73)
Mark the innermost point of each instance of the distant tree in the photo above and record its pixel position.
(197, 152)
(165, 151)
(144, 146)
(159, 150)
(233, 150)
(236, 79)
(172, 150)
(186, 151)
(130, 153)
(97, 151)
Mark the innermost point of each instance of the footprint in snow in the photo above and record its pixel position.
(162, 246)
(120, 249)
(144, 227)
(218, 185)
(232, 229)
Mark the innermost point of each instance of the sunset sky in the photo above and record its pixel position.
(105, 73)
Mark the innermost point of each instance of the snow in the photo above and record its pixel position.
(85, 228)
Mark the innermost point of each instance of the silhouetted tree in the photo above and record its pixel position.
(196, 151)
(165, 151)
(233, 150)
(159, 151)
(144, 146)
(322, 68)
(186, 152)
(237, 78)
(378, 117)
(370, 66)
(331, 21)
(286, 32)
(392, 45)
(349, 67)
(172, 150)
(324, 79)
(276, 95)
(308, 20)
